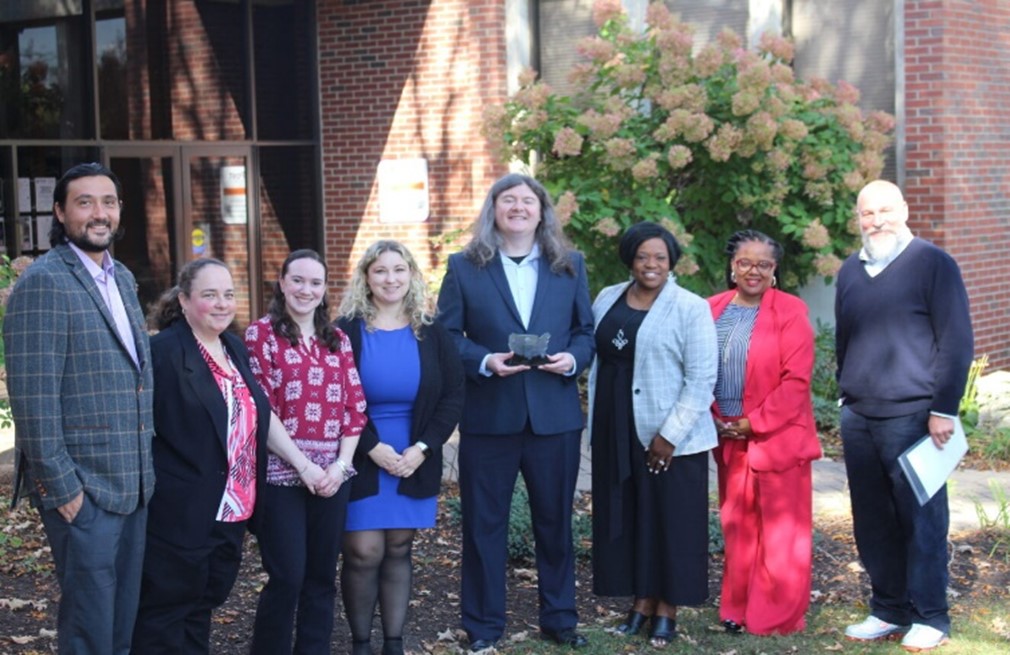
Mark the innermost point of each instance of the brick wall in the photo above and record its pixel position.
(403, 80)
(957, 182)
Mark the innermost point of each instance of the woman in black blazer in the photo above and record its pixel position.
(413, 383)
(212, 426)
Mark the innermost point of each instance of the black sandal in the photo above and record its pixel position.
(664, 629)
(361, 647)
(633, 624)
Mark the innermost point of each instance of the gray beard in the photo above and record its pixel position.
(881, 248)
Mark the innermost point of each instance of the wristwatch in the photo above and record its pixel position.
(425, 449)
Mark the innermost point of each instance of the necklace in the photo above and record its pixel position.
(619, 340)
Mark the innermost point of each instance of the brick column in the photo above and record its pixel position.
(957, 122)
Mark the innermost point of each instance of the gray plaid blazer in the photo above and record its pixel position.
(82, 409)
(676, 364)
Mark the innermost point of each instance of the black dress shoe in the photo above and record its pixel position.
(478, 645)
(633, 624)
(568, 637)
(732, 626)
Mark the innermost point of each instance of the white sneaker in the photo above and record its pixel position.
(923, 637)
(873, 629)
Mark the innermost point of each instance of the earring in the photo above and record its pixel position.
(732, 277)
(775, 281)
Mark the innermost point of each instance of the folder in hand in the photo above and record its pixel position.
(927, 467)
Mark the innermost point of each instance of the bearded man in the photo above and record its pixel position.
(904, 345)
(80, 384)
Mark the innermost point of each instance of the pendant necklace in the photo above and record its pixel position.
(619, 340)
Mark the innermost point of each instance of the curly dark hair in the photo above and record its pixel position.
(282, 322)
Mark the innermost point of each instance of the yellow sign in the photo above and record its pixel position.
(199, 241)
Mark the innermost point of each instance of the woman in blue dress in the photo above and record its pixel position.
(413, 383)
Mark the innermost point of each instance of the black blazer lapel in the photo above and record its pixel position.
(198, 375)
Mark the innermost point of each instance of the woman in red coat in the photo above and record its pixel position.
(767, 439)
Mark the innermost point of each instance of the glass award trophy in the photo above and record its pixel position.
(528, 349)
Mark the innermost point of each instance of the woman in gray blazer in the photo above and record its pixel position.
(650, 390)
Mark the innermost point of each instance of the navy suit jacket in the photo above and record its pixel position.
(81, 406)
(476, 307)
(191, 433)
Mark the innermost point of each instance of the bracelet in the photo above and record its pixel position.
(349, 471)
(303, 469)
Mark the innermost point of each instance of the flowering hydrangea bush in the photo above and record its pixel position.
(706, 142)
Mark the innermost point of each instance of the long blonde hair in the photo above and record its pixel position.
(357, 300)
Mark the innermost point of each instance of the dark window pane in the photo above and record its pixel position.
(289, 212)
(284, 62)
(148, 242)
(43, 77)
(110, 51)
(208, 70)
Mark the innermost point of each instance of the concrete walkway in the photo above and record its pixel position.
(966, 490)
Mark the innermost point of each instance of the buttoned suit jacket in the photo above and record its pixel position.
(776, 390)
(191, 435)
(82, 408)
(674, 371)
(477, 308)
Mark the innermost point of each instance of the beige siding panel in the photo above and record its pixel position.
(563, 23)
(851, 40)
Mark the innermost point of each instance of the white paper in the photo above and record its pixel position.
(43, 223)
(44, 187)
(27, 243)
(928, 467)
(25, 195)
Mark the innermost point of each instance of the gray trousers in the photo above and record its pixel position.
(99, 558)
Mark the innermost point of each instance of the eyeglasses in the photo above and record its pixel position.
(745, 265)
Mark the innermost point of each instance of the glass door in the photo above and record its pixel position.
(181, 203)
(218, 212)
(150, 244)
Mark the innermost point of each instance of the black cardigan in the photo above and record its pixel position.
(436, 412)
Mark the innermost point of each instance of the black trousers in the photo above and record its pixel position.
(181, 586)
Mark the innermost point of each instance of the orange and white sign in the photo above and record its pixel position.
(403, 191)
(233, 195)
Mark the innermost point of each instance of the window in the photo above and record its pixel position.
(43, 71)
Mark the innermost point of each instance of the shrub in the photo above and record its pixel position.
(823, 383)
(705, 142)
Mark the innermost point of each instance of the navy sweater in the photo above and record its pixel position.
(903, 338)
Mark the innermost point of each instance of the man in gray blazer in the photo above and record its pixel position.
(79, 378)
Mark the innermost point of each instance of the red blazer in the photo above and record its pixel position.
(776, 397)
